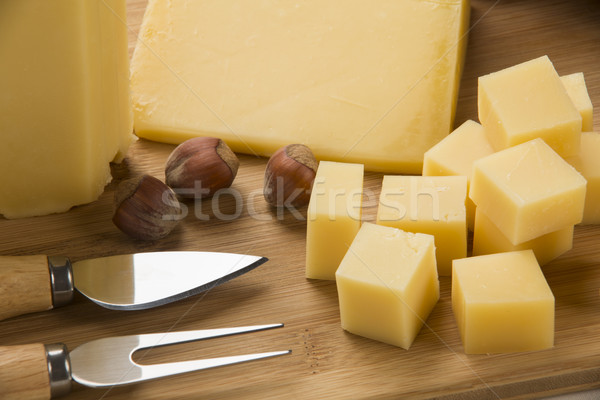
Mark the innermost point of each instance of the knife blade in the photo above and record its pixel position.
(123, 282)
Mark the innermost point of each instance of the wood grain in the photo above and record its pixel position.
(25, 285)
(24, 373)
(326, 361)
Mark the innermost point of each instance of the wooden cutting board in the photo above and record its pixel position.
(326, 361)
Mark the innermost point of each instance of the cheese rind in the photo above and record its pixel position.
(366, 85)
(431, 205)
(525, 102)
(387, 284)
(455, 155)
(587, 162)
(333, 218)
(528, 191)
(577, 91)
(65, 110)
(488, 239)
(502, 303)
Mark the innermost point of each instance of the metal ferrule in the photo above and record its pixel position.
(59, 369)
(61, 278)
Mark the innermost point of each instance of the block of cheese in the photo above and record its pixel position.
(387, 284)
(455, 154)
(587, 162)
(333, 217)
(577, 91)
(431, 205)
(502, 303)
(488, 239)
(375, 84)
(65, 110)
(528, 101)
(528, 191)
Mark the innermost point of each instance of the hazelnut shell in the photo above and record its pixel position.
(199, 167)
(289, 176)
(146, 208)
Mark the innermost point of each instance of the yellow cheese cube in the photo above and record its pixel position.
(502, 303)
(455, 155)
(487, 239)
(528, 101)
(65, 110)
(587, 162)
(528, 191)
(577, 91)
(432, 205)
(375, 84)
(333, 219)
(387, 284)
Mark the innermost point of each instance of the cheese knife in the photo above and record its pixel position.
(123, 282)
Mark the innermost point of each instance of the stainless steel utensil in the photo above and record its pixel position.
(46, 371)
(123, 282)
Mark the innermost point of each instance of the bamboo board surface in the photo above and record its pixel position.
(326, 361)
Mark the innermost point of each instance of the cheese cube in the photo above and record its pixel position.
(455, 154)
(502, 303)
(432, 205)
(525, 102)
(375, 84)
(528, 191)
(333, 219)
(577, 91)
(387, 284)
(487, 239)
(65, 109)
(587, 162)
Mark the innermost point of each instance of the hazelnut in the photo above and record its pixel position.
(146, 208)
(200, 166)
(289, 176)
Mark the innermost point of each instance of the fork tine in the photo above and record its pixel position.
(90, 361)
(167, 369)
(162, 339)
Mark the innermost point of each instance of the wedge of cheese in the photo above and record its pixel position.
(371, 82)
(65, 110)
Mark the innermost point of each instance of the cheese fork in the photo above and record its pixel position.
(40, 371)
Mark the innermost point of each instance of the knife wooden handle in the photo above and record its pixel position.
(25, 285)
(24, 373)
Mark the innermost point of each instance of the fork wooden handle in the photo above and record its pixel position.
(24, 373)
(25, 285)
(34, 371)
